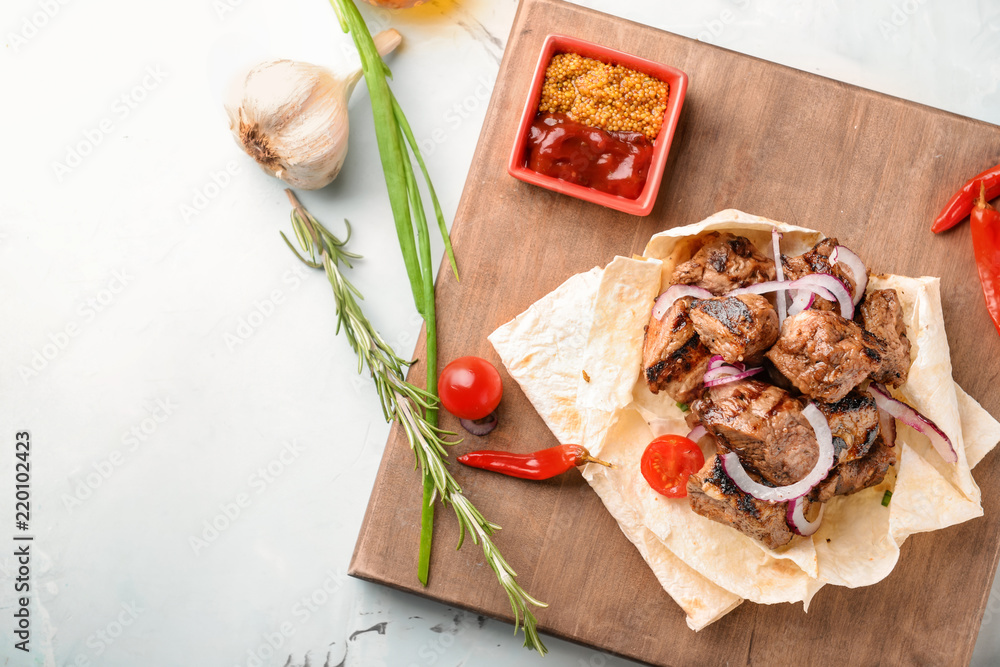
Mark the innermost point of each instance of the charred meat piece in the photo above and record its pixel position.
(817, 260)
(854, 424)
(714, 495)
(857, 475)
(725, 262)
(881, 314)
(738, 328)
(825, 355)
(674, 359)
(763, 425)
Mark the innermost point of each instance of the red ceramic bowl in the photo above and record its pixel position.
(676, 79)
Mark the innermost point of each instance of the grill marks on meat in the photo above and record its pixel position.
(881, 314)
(764, 426)
(715, 496)
(738, 328)
(674, 359)
(854, 424)
(825, 355)
(723, 263)
(853, 476)
(817, 260)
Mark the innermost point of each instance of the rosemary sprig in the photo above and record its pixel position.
(392, 132)
(407, 405)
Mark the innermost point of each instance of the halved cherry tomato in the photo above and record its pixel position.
(668, 462)
(470, 388)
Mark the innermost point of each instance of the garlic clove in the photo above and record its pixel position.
(292, 118)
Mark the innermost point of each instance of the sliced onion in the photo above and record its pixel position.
(854, 265)
(730, 377)
(697, 433)
(674, 292)
(796, 518)
(825, 285)
(832, 284)
(716, 361)
(480, 426)
(779, 494)
(803, 300)
(720, 372)
(780, 272)
(915, 420)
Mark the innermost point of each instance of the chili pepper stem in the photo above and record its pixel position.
(586, 458)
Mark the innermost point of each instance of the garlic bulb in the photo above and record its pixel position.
(292, 117)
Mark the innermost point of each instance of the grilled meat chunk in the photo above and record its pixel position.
(674, 359)
(881, 314)
(763, 425)
(857, 475)
(738, 328)
(714, 495)
(825, 355)
(725, 262)
(817, 260)
(854, 424)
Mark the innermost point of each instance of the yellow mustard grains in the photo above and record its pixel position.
(610, 97)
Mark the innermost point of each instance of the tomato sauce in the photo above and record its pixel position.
(613, 162)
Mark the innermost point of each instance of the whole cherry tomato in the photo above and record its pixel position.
(668, 462)
(470, 388)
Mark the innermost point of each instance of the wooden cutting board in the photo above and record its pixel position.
(869, 169)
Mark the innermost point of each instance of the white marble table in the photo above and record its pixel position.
(177, 368)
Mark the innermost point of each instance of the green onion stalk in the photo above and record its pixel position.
(394, 136)
(408, 405)
(393, 133)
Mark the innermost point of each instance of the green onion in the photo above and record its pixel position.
(683, 406)
(886, 497)
(392, 132)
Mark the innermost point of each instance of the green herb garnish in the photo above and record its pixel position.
(683, 406)
(411, 407)
(886, 497)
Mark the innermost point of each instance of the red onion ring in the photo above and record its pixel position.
(674, 292)
(724, 378)
(803, 300)
(697, 433)
(720, 372)
(480, 426)
(859, 272)
(780, 272)
(796, 518)
(832, 284)
(716, 361)
(779, 494)
(915, 420)
(825, 285)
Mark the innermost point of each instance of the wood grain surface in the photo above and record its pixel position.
(869, 169)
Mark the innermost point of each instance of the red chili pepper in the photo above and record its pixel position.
(960, 205)
(537, 465)
(985, 222)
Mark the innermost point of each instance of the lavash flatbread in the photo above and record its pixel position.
(576, 353)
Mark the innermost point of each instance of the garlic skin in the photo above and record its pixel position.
(291, 117)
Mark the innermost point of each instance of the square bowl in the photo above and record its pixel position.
(673, 77)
